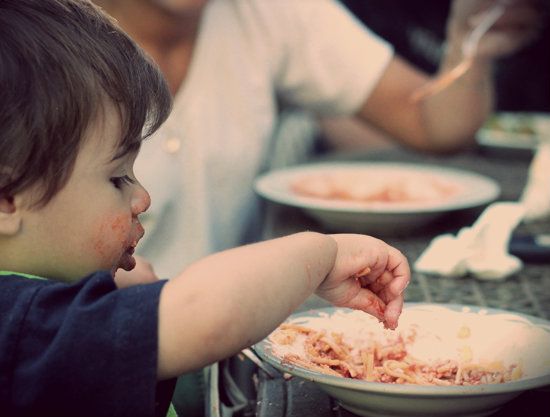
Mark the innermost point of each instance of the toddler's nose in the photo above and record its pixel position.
(140, 201)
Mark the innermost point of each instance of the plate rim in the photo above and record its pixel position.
(263, 186)
(410, 390)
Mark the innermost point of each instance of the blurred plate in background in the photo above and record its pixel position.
(376, 197)
(520, 131)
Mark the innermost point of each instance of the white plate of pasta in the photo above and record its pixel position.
(442, 360)
(376, 197)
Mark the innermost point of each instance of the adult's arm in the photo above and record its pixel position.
(448, 120)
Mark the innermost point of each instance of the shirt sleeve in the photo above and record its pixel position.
(89, 349)
(330, 62)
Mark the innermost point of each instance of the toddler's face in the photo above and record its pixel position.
(92, 223)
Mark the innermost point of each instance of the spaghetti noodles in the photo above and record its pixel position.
(387, 361)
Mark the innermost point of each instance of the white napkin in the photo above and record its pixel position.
(481, 250)
(536, 194)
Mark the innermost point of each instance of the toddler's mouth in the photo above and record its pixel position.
(127, 260)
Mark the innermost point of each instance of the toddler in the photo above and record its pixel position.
(78, 97)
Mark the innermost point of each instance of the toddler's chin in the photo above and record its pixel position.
(126, 262)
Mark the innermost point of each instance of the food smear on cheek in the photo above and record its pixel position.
(111, 237)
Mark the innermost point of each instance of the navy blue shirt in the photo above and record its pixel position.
(82, 349)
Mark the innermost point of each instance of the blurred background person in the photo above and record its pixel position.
(417, 30)
(235, 67)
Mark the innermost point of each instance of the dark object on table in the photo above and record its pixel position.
(531, 248)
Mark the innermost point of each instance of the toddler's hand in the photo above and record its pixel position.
(368, 275)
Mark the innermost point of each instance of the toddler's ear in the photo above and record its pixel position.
(10, 219)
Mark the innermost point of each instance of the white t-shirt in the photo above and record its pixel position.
(250, 56)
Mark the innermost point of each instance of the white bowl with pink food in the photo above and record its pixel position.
(376, 197)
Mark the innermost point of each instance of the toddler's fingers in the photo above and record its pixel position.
(399, 267)
(379, 283)
(392, 312)
(394, 289)
(397, 286)
(368, 302)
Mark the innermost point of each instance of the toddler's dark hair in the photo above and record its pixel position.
(60, 60)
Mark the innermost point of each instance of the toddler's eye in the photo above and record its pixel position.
(120, 182)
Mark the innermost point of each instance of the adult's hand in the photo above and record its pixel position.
(519, 24)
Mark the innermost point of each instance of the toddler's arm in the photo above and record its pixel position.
(232, 299)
